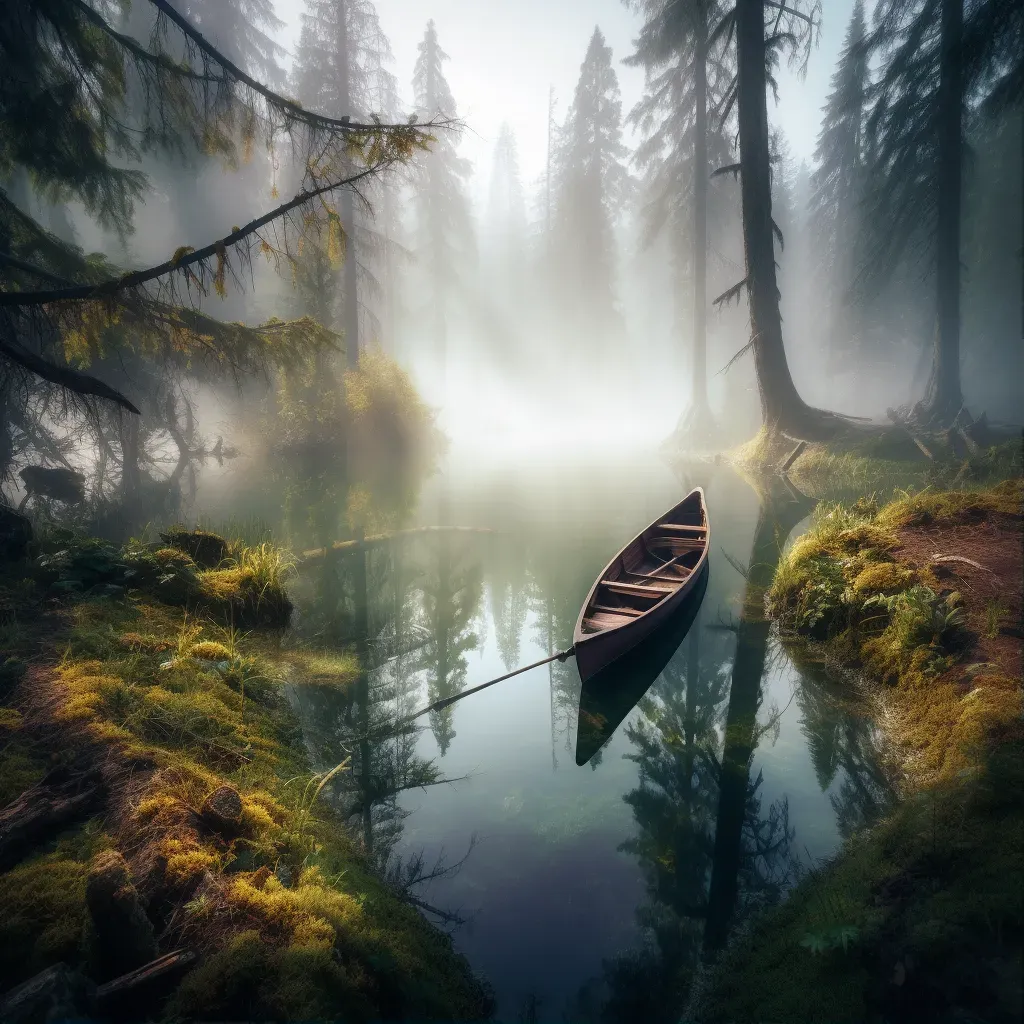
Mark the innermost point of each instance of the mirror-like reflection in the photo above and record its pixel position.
(710, 761)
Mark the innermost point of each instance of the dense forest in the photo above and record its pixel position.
(323, 397)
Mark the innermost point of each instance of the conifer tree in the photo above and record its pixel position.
(507, 215)
(686, 82)
(915, 136)
(243, 31)
(592, 183)
(838, 180)
(79, 100)
(341, 66)
(762, 31)
(443, 218)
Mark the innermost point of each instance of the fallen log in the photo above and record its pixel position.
(793, 456)
(44, 809)
(376, 540)
(141, 988)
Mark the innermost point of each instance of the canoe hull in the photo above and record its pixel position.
(596, 650)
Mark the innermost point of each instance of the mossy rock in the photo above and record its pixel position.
(204, 548)
(882, 578)
(121, 935)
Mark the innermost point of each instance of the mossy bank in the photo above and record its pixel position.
(920, 916)
(156, 789)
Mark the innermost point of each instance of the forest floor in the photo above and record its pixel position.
(157, 797)
(920, 917)
(881, 461)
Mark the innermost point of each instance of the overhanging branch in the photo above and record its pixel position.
(137, 278)
(72, 380)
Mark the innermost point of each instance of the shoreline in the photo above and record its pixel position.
(157, 797)
(919, 916)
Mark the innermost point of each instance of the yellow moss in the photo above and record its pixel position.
(325, 668)
(882, 577)
(10, 720)
(257, 819)
(187, 860)
(953, 506)
(312, 910)
(153, 806)
(210, 650)
(225, 584)
(173, 558)
(89, 691)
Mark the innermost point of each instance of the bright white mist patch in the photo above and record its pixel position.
(485, 417)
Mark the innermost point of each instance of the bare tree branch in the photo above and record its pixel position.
(730, 293)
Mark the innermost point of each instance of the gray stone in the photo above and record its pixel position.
(222, 810)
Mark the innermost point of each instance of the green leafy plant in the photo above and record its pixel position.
(919, 616)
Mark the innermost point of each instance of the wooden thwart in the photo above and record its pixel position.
(618, 587)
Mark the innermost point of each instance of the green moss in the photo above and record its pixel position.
(21, 766)
(946, 507)
(933, 888)
(43, 903)
(201, 546)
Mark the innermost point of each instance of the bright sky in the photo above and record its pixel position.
(506, 53)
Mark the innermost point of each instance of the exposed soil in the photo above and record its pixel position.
(991, 587)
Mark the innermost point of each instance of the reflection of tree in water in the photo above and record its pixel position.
(509, 604)
(450, 591)
(842, 739)
(373, 616)
(554, 601)
(710, 853)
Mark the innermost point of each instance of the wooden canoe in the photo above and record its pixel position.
(643, 585)
(608, 696)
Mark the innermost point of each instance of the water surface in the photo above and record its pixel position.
(587, 891)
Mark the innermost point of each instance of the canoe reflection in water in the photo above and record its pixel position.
(608, 696)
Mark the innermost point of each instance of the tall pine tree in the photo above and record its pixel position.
(915, 136)
(686, 83)
(443, 218)
(838, 183)
(592, 184)
(341, 65)
(506, 215)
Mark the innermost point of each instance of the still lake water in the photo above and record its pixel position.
(579, 892)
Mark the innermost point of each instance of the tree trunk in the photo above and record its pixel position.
(129, 429)
(777, 519)
(782, 408)
(350, 297)
(700, 225)
(943, 398)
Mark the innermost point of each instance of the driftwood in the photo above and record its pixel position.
(44, 809)
(347, 546)
(913, 437)
(145, 985)
(793, 456)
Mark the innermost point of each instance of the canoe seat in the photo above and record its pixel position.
(621, 610)
(655, 576)
(604, 620)
(655, 591)
(681, 526)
